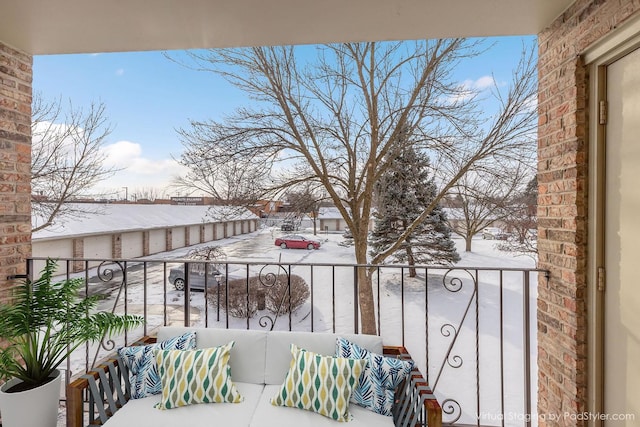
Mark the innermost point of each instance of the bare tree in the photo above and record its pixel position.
(67, 158)
(523, 223)
(208, 253)
(236, 183)
(335, 122)
(306, 200)
(483, 198)
(147, 193)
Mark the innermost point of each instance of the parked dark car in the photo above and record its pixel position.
(503, 236)
(296, 241)
(196, 276)
(287, 225)
(492, 233)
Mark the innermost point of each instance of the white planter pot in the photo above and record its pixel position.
(32, 408)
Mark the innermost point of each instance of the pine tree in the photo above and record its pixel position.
(402, 194)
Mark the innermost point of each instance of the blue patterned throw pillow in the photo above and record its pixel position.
(141, 361)
(381, 376)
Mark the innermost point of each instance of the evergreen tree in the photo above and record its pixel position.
(402, 194)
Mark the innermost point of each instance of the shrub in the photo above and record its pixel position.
(237, 300)
(272, 295)
(277, 295)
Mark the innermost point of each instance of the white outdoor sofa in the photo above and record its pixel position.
(259, 362)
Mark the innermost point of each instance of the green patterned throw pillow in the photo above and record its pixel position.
(196, 376)
(319, 383)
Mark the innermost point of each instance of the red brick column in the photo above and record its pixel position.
(15, 163)
(168, 239)
(562, 202)
(116, 245)
(145, 243)
(78, 253)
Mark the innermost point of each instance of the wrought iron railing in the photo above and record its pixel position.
(470, 329)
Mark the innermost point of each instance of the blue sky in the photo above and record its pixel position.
(148, 96)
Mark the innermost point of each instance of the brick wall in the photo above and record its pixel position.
(116, 245)
(78, 252)
(168, 239)
(562, 203)
(15, 162)
(145, 243)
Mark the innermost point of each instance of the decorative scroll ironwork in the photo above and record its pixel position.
(107, 272)
(451, 406)
(270, 279)
(455, 361)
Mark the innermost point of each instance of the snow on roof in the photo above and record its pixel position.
(332, 212)
(329, 213)
(129, 217)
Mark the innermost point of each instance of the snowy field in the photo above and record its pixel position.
(438, 305)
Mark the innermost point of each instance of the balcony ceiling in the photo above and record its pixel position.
(83, 26)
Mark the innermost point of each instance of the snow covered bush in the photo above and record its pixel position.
(273, 296)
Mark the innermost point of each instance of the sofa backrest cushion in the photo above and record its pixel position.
(247, 359)
(261, 357)
(278, 355)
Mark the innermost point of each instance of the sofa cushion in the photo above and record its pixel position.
(278, 355)
(267, 415)
(376, 387)
(143, 371)
(247, 361)
(196, 376)
(321, 384)
(142, 413)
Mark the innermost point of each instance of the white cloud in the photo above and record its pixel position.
(120, 72)
(469, 88)
(122, 153)
(134, 170)
(137, 171)
(484, 82)
(51, 129)
(47, 136)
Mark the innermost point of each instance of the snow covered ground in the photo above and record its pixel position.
(468, 383)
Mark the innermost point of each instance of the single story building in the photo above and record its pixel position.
(125, 231)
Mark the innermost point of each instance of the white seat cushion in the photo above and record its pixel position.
(279, 343)
(247, 359)
(267, 415)
(141, 412)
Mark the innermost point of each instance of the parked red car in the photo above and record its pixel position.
(295, 241)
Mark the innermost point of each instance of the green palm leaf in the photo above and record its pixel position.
(45, 321)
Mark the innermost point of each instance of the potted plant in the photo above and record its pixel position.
(40, 325)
